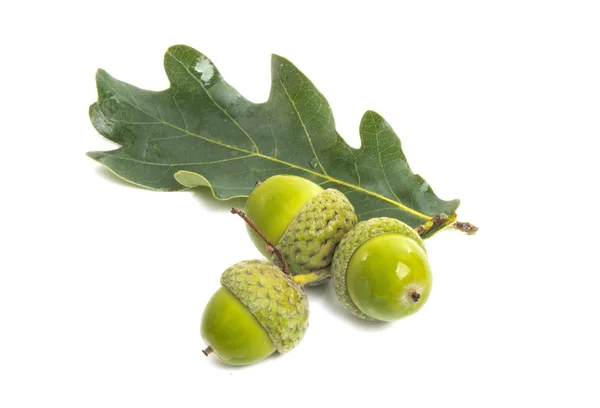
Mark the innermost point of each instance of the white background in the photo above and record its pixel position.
(102, 284)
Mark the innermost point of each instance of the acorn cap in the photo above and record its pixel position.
(310, 240)
(277, 302)
(363, 231)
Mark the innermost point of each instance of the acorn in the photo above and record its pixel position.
(381, 271)
(303, 220)
(258, 310)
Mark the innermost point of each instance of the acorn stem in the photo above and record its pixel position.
(207, 351)
(431, 224)
(270, 246)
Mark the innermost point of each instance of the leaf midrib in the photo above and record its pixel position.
(276, 160)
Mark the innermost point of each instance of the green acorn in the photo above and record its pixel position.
(380, 270)
(257, 311)
(304, 221)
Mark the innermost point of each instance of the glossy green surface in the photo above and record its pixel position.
(384, 272)
(275, 203)
(202, 132)
(233, 333)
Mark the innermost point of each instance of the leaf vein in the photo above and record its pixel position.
(215, 102)
(303, 126)
(381, 163)
(141, 162)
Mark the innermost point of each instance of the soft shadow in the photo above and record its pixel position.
(204, 195)
(327, 297)
(112, 177)
(215, 362)
(319, 292)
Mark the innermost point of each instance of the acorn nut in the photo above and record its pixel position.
(258, 310)
(304, 221)
(380, 270)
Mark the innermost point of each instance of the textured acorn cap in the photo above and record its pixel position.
(310, 240)
(277, 302)
(363, 231)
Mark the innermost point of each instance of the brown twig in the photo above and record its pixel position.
(431, 224)
(270, 246)
(207, 351)
(467, 227)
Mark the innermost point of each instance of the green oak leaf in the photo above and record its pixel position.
(202, 132)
